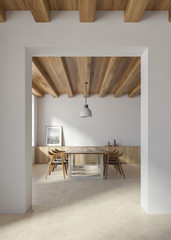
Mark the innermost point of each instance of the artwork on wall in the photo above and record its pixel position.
(53, 136)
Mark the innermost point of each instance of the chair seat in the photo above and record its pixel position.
(111, 158)
(57, 162)
(59, 158)
(111, 162)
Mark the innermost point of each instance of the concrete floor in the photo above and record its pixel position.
(86, 210)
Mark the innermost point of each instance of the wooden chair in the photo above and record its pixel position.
(113, 158)
(105, 160)
(57, 159)
(59, 151)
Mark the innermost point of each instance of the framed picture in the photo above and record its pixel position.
(53, 136)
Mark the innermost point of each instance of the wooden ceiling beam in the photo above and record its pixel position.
(87, 10)
(107, 77)
(134, 10)
(45, 76)
(127, 78)
(2, 14)
(84, 66)
(36, 91)
(61, 72)
(40, 10)
(135, 91)
(68, 87)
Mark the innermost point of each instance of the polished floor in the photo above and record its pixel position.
(86, 210)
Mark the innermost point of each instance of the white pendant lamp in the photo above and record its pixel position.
(86, 112)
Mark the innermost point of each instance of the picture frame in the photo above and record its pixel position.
(53, 136)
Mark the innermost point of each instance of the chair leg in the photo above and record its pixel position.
(116, 166)
(106, 172)
(66, 169)
(51, 169)
(123, 174)
(63, 169)
(48, 170)
(121, 169)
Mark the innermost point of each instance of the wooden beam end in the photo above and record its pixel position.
(87, 10)
(135, 91)
(36, 91)
(134, 10)
(170, 15)
(101, 95)
(40, 10)
(70, 96)
(54, 95)
(116, 95)
(2, 14)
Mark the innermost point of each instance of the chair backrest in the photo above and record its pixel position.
(115, 152)
(114, 155)
(54, 151)
(57, 151)
(119, 154)
(50, 153)
(55, 155)
(58, 154)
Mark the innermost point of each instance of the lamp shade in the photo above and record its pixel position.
(85, 112)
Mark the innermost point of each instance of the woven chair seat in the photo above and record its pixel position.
(59, 158)
(111, 162)
(58, 162)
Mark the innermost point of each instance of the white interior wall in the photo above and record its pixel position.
(33, 155)
(117, 118)
(144, 129)
(66, 36)
(35, 120)
(34, 123)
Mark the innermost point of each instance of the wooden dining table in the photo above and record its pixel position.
(99, 152)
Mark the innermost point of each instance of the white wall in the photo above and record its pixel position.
(34, 127)
(21, 38)
(33, 156)
(144, 130)
(35, 120)
(117, 118)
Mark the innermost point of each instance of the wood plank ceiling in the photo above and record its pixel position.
(67, 75)
(40, 9)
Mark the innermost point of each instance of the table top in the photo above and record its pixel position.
(83, 150)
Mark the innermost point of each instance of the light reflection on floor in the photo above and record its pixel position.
(86, 210)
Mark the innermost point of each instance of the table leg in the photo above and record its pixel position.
(97, 159)
(101, 166)
(69, 166)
